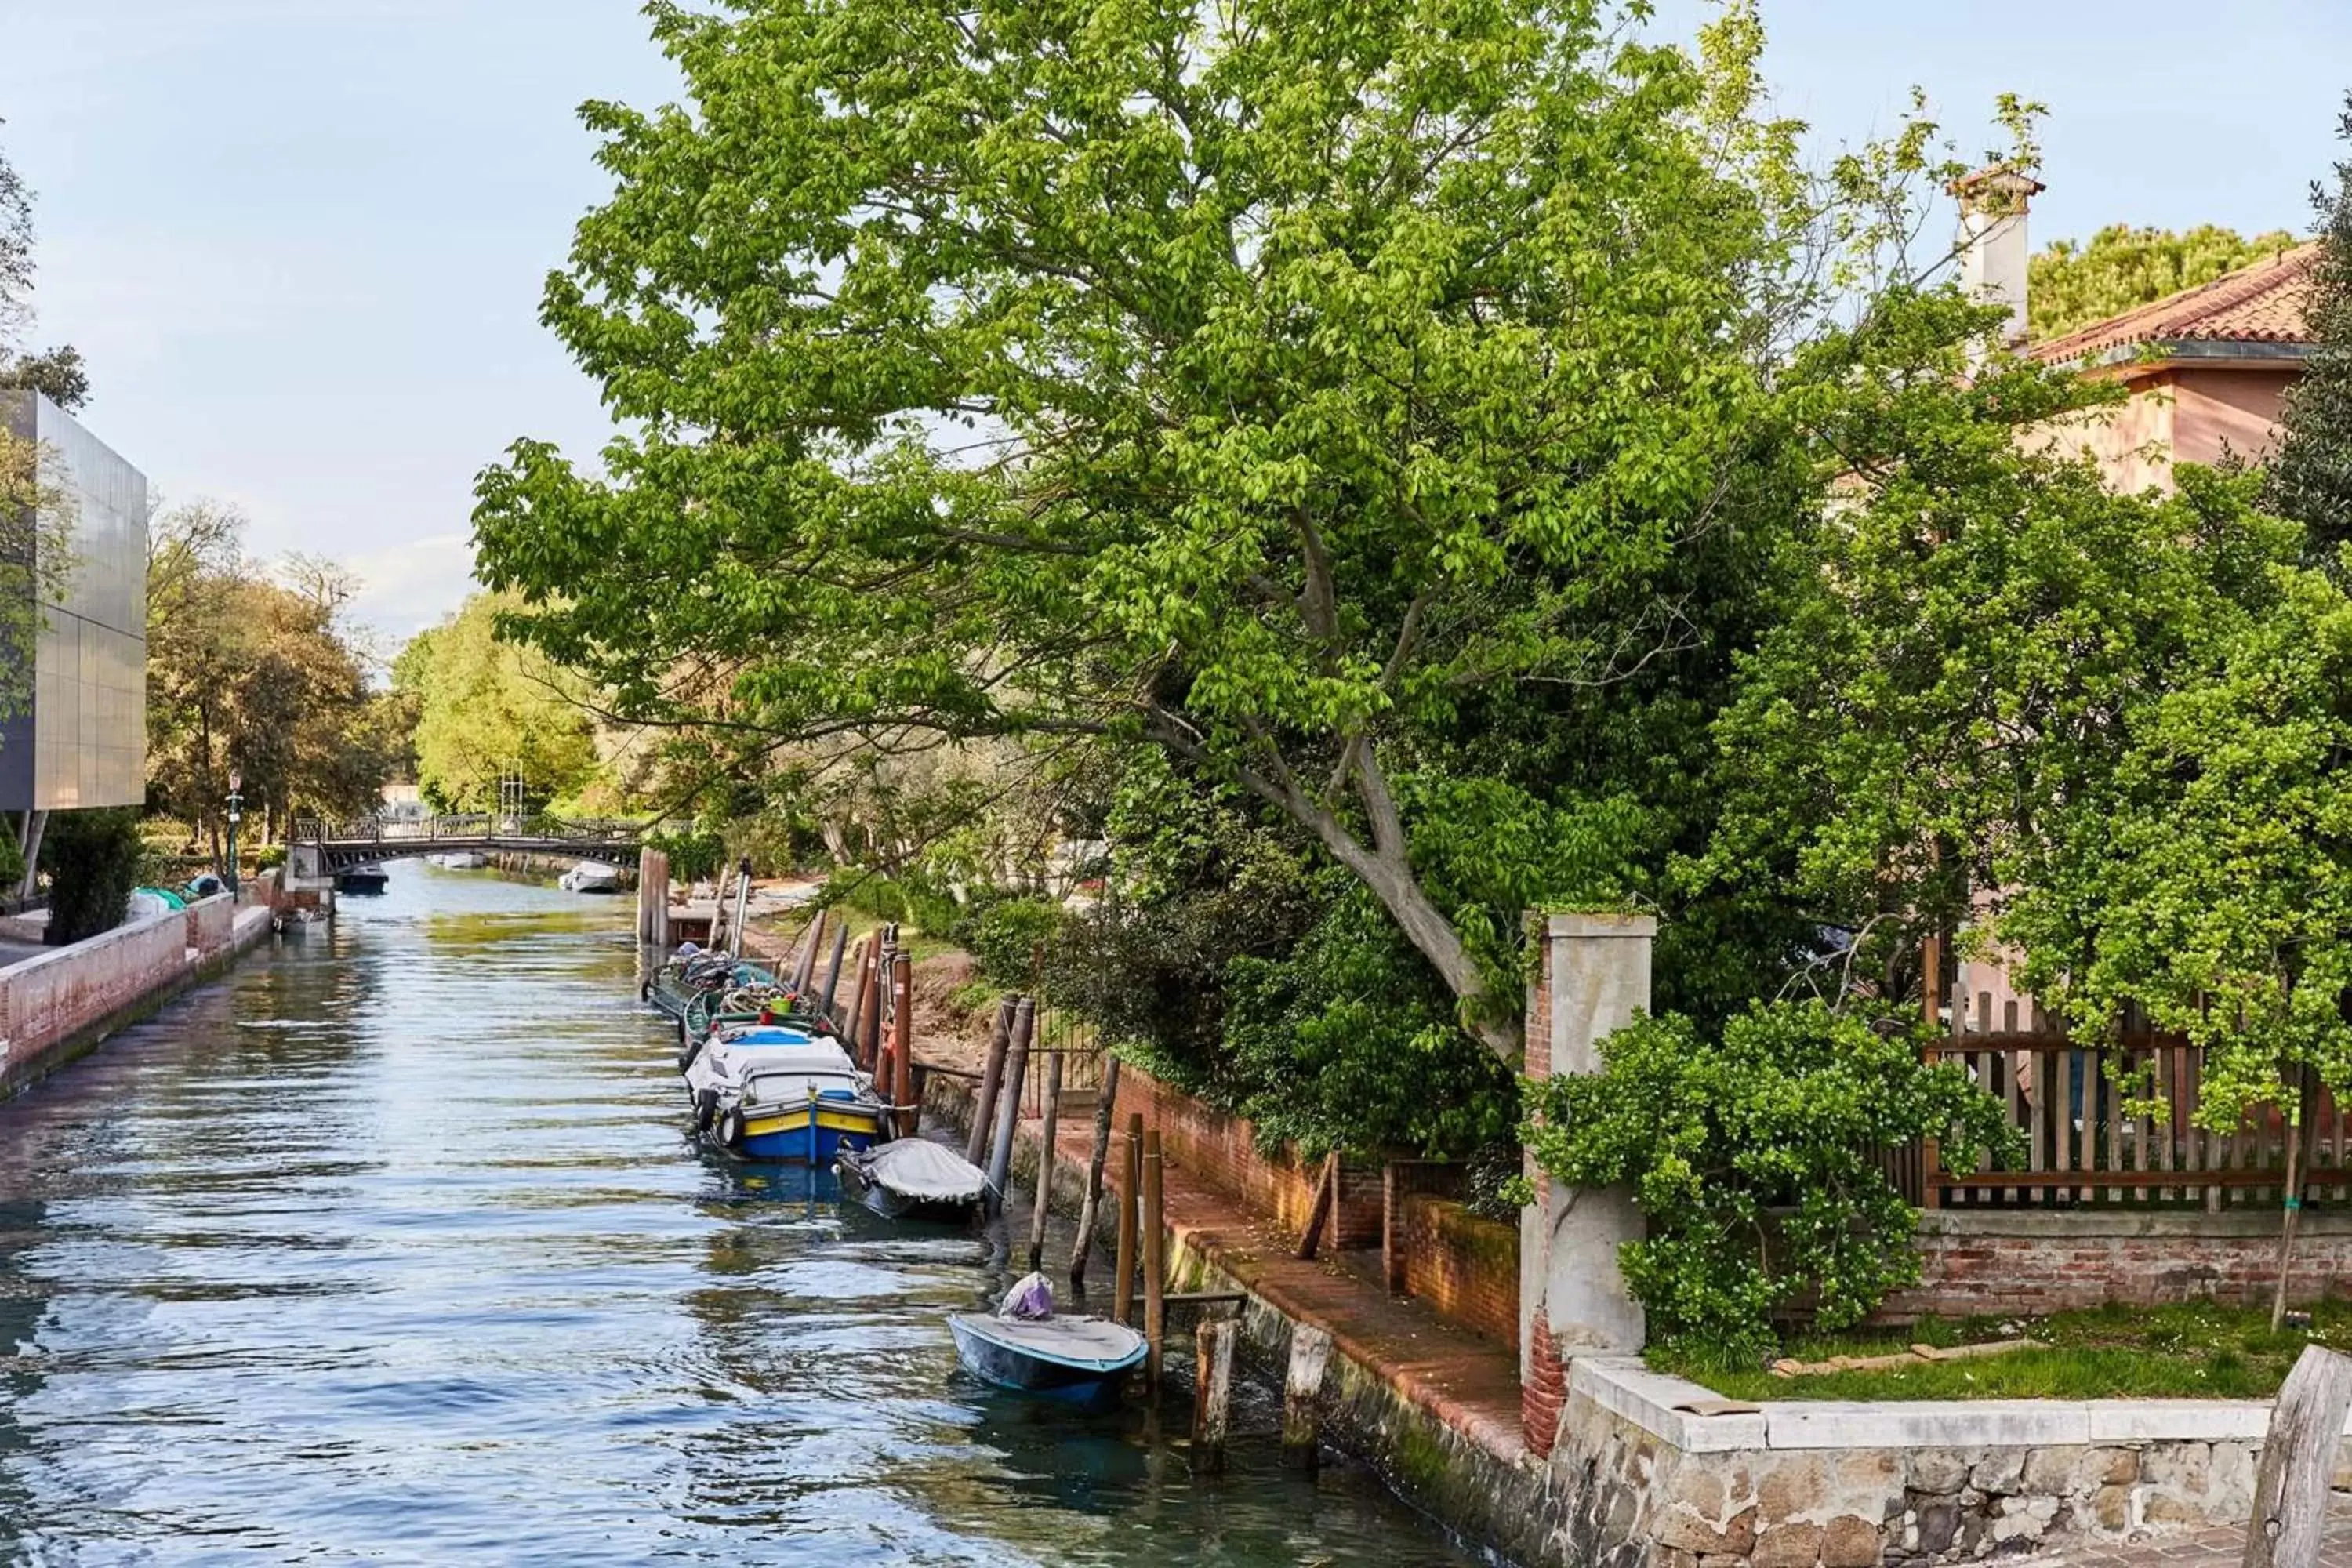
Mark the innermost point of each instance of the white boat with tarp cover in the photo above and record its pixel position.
(913, 1178)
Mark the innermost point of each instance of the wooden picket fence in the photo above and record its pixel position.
(2083, 1148)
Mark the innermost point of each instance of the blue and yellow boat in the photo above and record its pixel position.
(781, 1095)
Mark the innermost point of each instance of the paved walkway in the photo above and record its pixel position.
(2214, 1549)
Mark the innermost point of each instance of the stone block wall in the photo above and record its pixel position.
(1891, 1490)
(1466, 1268)
(1990, 1262)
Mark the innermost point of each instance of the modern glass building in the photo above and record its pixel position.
(83, 741)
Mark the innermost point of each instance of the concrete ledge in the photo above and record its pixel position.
(1646, 927)
(1623, 1386)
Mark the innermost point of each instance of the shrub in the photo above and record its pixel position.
(93, 860)
(270, 858)
(1006, 936)
(12, 865)
(1351, 1042)
(693, 856)
(1752, 1153)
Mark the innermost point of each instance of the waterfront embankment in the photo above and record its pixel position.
(59, 1004)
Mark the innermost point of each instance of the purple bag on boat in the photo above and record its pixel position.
(1030, 1299)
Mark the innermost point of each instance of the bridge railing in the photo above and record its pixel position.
(466, 825)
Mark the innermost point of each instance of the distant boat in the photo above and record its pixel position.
(1082, 1361)
(913, 1178)
(588, 877)
(462, 861)
(368, 879)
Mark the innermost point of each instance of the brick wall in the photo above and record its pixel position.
(2030, 1264)
(1223, 1150)
(1466, 1268)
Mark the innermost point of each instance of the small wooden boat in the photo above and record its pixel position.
(462, 861)
(368, 879)
(776, 1094)
(913, 1178)
(1084, 1360)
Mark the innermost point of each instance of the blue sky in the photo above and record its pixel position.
(301, 241)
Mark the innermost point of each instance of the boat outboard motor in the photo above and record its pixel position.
(706, 1109)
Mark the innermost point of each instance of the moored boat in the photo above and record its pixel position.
(589, 876)
(462, 861)
(913, 1178)
(367, 878)
(773, 1093)
(693, 972)
(1083, 1361)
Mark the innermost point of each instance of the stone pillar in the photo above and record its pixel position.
(1592, 976)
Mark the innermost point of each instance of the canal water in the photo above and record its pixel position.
(388, 1247)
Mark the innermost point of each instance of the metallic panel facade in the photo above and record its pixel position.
(84, 741)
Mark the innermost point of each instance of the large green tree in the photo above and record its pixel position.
(2123, 268)
(1315, 393)
(487, 709)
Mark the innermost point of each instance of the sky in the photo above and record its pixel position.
(301, 242)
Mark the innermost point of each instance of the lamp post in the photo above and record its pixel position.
(236, 814)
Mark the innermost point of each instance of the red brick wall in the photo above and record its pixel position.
(1466, 1268)
(1223, 1150)
(1543, 1392)
(2034, 1263)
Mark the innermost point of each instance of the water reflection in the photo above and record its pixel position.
(391, 1247)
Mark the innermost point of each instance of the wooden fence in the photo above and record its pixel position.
(2084, 1148)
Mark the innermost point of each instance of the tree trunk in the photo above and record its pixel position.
(2290, 1218)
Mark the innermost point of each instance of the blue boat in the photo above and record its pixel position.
(779, 1095)
(1079, 1360)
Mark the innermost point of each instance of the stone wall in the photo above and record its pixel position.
(1989, 1261)
(1466, 1268)
(56, 1003)
(1799, 1484)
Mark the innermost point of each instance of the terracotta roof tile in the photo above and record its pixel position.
(2261, 303)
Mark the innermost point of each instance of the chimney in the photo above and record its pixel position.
(1994, 203)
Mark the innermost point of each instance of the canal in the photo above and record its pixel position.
(388, 1247)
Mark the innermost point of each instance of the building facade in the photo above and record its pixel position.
(82, 741)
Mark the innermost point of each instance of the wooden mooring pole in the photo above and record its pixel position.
(1008, 1100)
(1130, 1204)
(983, 1108)
(2298, 1462)
(1155, 1264)
(833, 970)
(1213, 1392)
(1106, 1103)
(1053, 1116)
(902, 1056)
(1310, 1350)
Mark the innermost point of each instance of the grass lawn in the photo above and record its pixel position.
(2198, 1350)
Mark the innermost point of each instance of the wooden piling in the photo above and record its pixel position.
(869, 1022)
(983, 1110)
(1008, 1099)
(1310, 1350)
(1327, 1194)
(804, 962)
(832, 969)
(1106, 1100)
(902, 1054)
(2298, 1460)
(1045, 1159)
(1130, 1204)
(1213, 1392)
(1155, 1262)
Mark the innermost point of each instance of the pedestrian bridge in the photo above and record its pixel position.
(316, 849)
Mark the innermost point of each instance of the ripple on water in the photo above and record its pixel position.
(388, 1247)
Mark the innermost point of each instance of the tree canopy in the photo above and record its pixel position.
(2311, 476)
(1387, 415)
(486, 709)
(2121, 268)
(254, 670)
